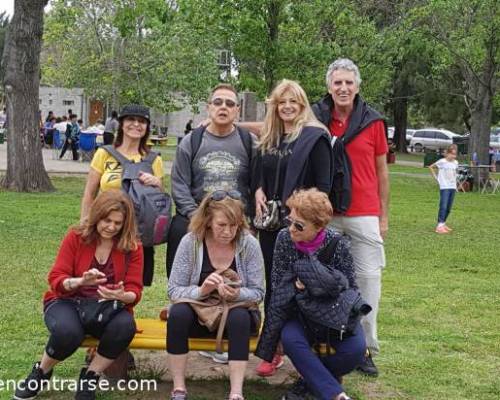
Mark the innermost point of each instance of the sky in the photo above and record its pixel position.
(7, 5)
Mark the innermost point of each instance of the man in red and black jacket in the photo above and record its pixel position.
(364, 215)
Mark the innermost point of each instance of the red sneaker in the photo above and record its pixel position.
(441, 230)
(269, 368)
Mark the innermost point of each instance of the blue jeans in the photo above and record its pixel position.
(321, 373)
(446, 197)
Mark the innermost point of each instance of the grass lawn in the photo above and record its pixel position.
(438, 324)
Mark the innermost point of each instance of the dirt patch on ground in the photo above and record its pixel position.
(202, 368)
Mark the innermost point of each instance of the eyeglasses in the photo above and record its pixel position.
(297, 225)
(219, 195)
(219, 102)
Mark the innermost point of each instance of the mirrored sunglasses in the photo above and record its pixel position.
(219, 195)
(228, 102)
(297, 225)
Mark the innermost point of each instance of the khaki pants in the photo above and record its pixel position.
(367, 249)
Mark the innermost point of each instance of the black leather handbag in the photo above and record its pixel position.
(95, 314)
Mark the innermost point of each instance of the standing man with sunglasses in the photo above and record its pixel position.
(213, 157)
(365, 220)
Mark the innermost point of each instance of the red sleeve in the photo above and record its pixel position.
(64, 265)
(380, 140)
(133, 279)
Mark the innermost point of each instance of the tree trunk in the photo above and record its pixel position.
(400, 108)
(481, 91)
(274, 8)
(21, 58)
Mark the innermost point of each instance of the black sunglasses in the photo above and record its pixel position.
(229, 103)
(298, 225)
(219, 195)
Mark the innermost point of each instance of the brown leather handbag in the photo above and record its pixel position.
(212, 312)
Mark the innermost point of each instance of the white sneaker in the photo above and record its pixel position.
(221, 358)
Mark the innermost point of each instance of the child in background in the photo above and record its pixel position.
(446, 176)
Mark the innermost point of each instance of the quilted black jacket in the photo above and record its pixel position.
(330, 290)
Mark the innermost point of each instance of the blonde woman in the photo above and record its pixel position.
(218, 240)
(294, 153)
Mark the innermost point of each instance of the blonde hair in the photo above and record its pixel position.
(103, 205)
(232, 209)
(312, 205)
(450, 148)
(273, 127)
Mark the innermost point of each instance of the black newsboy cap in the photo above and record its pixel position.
(135, 110)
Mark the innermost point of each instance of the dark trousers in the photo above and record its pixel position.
(446, 197)
(149, 265)
(108, 138)
(322, 373)
(67, 332)
(267, 241)
(178, 229)
(73, 146)
(183, 324)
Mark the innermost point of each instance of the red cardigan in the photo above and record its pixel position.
(75, 257)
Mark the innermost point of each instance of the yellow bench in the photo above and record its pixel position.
(152, 334)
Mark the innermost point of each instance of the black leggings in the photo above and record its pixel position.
(267, 241)
(183, 324)
(67, 332)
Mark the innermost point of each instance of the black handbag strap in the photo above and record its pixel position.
(277, 176)
(326, 254)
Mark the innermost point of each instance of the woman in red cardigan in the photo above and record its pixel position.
(99, 259)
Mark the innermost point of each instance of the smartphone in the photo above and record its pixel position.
(234, 284)
(112, 286)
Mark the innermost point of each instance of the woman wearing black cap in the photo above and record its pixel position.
(106, 172)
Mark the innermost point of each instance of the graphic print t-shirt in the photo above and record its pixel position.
(447, 174)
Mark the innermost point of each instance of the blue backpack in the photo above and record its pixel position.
(153, 207)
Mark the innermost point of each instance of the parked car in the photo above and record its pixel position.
(409, 135)
(495, 141)
(391, 130)
(432, 139)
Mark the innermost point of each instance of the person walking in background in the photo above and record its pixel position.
(110, 128)
(446, 177)
(366, 218)
(72, 133)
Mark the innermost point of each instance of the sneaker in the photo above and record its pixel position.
(32, 384)
(448, 228)
(221, 358)
(87, 385)
(368, 367)
(269, 368)
(298, 391)
(441, 229)
(178, 395)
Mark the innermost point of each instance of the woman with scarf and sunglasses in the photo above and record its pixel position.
(313, 269)
(294, 152)
(218, 240)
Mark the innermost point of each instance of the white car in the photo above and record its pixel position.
(391, 130)
(432, 139)
(495, 141)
